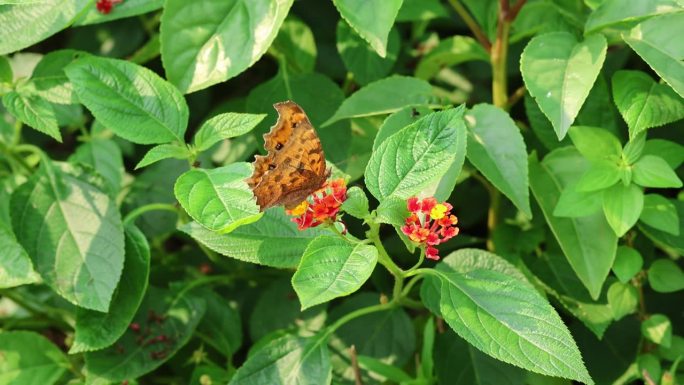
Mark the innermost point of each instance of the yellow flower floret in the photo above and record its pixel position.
(438, 211)
(300, 209)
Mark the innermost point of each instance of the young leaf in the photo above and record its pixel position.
(652, 40)
(25, 23)
(657, 328)
(80, 251)
(574, 204)
(34, 111)
(628, 262)
(272, 241)
(601, 175)
(372, 20)
(660, 214)
(653, 171)
(356, 204)
(665, 276)
(95, 330)
(332, 267)
(30, 358)
(224, 126)
(104, 156)
(131, 100)
(622, 206)
(596, 144)
(288, 360)
(559, 72)
(450, 52)
(207, 43)
(218, 199)
(164, 151)
(672, 152)
(360, 59)
(588, 242)
(644, 103)
(417, 156)
(384, 97)
(476, 302)
(295, 45)
(623, 299)
(171, 314)
(497, 149)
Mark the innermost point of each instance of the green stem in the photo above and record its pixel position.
(471, 23)
(383, 258)
(133, 215)
(355, 314)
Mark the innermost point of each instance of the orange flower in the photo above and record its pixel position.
(323, 206)
(429, 224)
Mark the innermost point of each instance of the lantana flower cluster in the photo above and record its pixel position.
(322, 206)
(105, 6)
(429, 224)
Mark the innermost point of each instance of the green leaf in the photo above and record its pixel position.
(660, 213)
(305, 361)
(272, 241)
(596, 144)
(218, 199)
(414, 10)
(477, 294)
(385, 96)
(79, 250)
(623, 299)
(496, 148)
(652, 40)
(588, 242)
(122, 10)
(450, 52)
(648, 364)
(426, 354)
(225, 126)
(105, 157)
(15, 265)
(574, 204)
(644, 103)
(6, 75)
(392, 211)
(332, 267)
(372, 20)
(221, 326)
(386, 372)
(665, 239)
(398, 121)
(628, 262)
(672, 152)
(49, 79)
(95, 330)
(131, 100)
(29, 358)
(634, 148)
(612, 13)
(622, 206)
(653, 171)
(657, 328)
(164, 151)
(559, 72)
(356, 203)
(599, 176)
(417, 156)
(360, 59)
(172, 314)
(34, 111)
(209, 42)
(295, 45)
(665, 276)
(27, 23)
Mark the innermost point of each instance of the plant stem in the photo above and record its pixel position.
(384, 259)
(133, 215)
(498, 58)
(516, 96)
(471, 23)
(357, 313)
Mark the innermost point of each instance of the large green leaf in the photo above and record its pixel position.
(450, 52)
(218, 199)
(332, 267)
(28, 22)
(644, 103)
(272, 241)
(497, 149)
(122, 10)
(49, 79)
(559, 73)
(173, 314)
(476, 299)
(28, 358)
(208, 42)
(73, 233)
(397, 121)
(652, 40)
(372, 20)
(34, 111)
(417, 156)
(288, 360)
(384, 97)
(164, 151)
(612, 13)
(15, 265)
(225, 126)
(360, 59)
(104, 156)
(588, 242)
(131, 100)
(95, 330)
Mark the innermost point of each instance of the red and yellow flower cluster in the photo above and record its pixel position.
(321, 207)
(430, 224)
(105, 6)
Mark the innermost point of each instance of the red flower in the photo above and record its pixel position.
(322, 207)
(429, 224)
(105, 6)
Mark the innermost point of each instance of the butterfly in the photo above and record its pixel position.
(294, 166)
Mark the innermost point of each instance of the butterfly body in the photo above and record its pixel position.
(294, 166)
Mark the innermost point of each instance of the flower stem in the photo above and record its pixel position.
(471, 23)
(133, 215)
